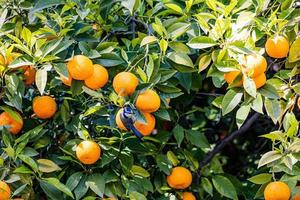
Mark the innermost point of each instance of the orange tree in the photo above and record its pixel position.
(145, 99)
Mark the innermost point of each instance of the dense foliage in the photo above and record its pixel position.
(207, 61)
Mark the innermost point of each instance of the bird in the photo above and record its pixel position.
(127, 118)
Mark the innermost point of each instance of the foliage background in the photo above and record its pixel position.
(181, 49)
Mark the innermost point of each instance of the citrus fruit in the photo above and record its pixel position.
(148, 101)
(125, 83)
(88, 152)
(4, 191)
(231, 76)
(277, 47)
(188, 196)
(29, 75)
(98, 79)
(256, 65)
(80, 67)
(277, 191)
(260, 80)
(298, 103)
(148, 127)
(145, 129)
(15, 126)
(66, 81)
(180, 178)
(44, 107)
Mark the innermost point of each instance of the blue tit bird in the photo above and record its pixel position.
(127, 118)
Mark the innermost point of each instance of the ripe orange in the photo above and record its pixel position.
(256, 65)
(148, 101)
(66, 81)
(231, 76)
(80, 67)
(98, 79)
(180, 178)
(4, 191)
(298, 103)
(188, 196)
(15, 125)
(125, 83)
(88, 152)
(144, 129)
(277, 47)
(277, 191)
(29, 75)
(260, 80)
(44, 107)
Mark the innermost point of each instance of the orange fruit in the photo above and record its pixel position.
(15, 125)
(4, 191)
(88, 152)
(298, 103)
(256, 65)
(29, 75)
(125, 83)
(231, 76)
(180, 178)
(148, 101)
(66, 81)
(144, 129)
(277, 191)
(188, 196)
(260, 80)
(80, 67)
(277, 47)
(98, 79)
(44, 107)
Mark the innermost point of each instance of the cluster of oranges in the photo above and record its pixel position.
(81, 68)
(147, 102)
(256, 65)
(181, 178)
(278, 190)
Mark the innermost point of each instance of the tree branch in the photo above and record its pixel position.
(210, 155)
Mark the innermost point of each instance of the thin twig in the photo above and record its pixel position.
(210, 155)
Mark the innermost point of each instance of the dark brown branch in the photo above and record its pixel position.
(210, 155)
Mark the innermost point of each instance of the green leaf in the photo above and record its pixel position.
(58, 185)
(249, 86)
(294, 54)
(201, 42)
(178, 132)
(47, 166)
(275, 135)
(96, 183)
(42, 4)
(269, 157)
(257, 104)
(177, 29)
(74, 180)
(204, 62)
(197, 138)
(224, 186)
(174, 7)
(261, 178)
(136, 196)
(269, 91)
(173, 158)
(163, 163)
(29, 161)
(140, 171)
(273, 109)
(207, 186)
(181, 59)
(41, 79)
(242, 114)
(148, 40)
(130, 5)
(231, 99)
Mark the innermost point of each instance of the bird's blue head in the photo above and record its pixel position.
(127, 112)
